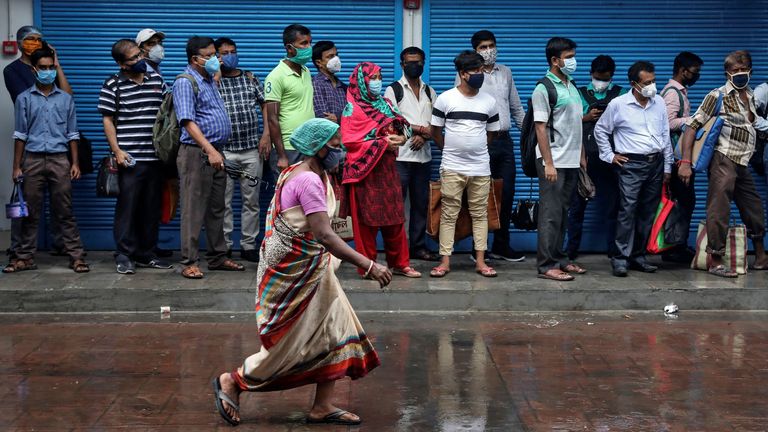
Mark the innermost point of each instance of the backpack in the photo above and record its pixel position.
(528, 141)
(398, 89)
(166, 133)
(757, 160)
(588, 129)
(675, 136)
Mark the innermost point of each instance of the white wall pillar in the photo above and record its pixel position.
(412, 27)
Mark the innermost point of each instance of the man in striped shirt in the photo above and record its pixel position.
(128, 102)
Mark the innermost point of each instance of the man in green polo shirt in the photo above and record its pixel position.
(288, 92)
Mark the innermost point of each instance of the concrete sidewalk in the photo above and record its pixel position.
(55, 288)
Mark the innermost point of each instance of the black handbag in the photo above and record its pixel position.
(107, 184)
(525, 216)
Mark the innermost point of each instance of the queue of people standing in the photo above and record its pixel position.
(629, 140)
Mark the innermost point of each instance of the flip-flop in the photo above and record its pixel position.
(563, 277)
(219, 394)
(438, 272)
(574, 268)
(488, 272)
(721, 271)
(334, 418)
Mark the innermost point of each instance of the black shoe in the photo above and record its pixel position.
(126, 267)
(424, 255)
(682, 256)
(155, 263)
(507, 255)
(620, 270)
(251, 255)
(163, 253)
(642, 266)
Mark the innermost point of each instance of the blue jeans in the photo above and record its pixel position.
(414, 179)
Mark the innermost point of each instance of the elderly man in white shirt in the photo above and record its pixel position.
(643, 158)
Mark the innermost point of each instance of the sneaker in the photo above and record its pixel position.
(155, 263)
(126, 267)
(508, 255)
(251, 255)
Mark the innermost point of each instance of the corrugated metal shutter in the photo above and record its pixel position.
(83, 33)
(655, 30)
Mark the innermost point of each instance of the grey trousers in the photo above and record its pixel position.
(52, 171)
(202, 204)
(554, 200)
(251, 162)
(639, 194)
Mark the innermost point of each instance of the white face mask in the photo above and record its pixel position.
(489, 56)
(600, 86)
(334, 65)
(156, 54)
(649, 91)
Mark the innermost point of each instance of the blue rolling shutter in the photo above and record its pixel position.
(654, 30)
(84, 31)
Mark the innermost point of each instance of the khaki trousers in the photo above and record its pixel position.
(452, 186)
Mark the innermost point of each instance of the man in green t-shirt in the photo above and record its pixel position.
(288, 92)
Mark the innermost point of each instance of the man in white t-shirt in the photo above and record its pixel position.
(470, 119)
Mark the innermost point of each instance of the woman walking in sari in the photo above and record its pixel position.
(372, 132)
(308, 330)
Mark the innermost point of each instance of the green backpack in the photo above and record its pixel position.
(166, 133)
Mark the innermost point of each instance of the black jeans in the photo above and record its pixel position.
(554, 199)
(603, 176)
(640, 181)
(137, 211)
(414, 179)
(502, 153)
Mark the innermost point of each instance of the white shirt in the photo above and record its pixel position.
(418, 112)
(467, 121)
(636, 129)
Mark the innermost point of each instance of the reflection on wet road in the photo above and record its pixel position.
(490, 372)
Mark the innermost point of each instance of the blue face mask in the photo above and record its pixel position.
(332, 158)
(230, 61)
(569, 66)
(46, 77)
(212, 65)
(374, 86)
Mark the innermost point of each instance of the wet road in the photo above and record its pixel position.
(493, 372)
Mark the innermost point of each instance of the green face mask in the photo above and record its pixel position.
(303, 55)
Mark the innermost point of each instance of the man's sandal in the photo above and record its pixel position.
(192, 272)
(79, 266)
(556, 275)
(721, 271)
(228, 265)
(18, 265)
(438, 272)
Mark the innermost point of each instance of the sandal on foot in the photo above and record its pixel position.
(79, 266)
(228, 265)
(219, 394)
(334, 418)
(556, 275)
(721, 271)
(438, 272)
(574, 268)
(408, 272)
(192, 272)
(18, 265)
(488, 272)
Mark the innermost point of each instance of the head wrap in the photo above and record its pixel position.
(25, 31)
(313, 135)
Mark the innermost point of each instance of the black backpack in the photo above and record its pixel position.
(588, 128)
(398, 89)
(528, 141)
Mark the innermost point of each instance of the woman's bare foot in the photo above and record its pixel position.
(229, 387)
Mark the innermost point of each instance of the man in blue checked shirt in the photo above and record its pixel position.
(45, 129)
(205, 128)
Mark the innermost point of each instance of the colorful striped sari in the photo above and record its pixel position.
(308, 329)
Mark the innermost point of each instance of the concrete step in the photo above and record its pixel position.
(55, 288)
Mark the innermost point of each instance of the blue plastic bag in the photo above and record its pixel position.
(701, 163)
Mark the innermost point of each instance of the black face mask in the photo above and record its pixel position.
(413, 70)
(692, 80)
(138, 67)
